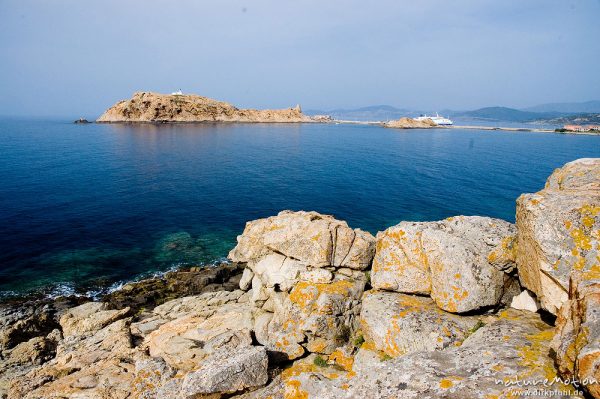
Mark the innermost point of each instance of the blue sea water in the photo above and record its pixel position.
(83, 206)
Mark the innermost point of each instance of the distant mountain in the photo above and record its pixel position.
(507, 114)
(569, 108)
(372, 113)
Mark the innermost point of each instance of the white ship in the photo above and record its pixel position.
(438, 120)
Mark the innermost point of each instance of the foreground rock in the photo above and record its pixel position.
(154, 107)
(28, 335)
(409, 123)
(306, 280)
(201, 345)
(304, 320)
(397, 324)
(577, 341)
(228, 372)
(462, 262)
(516, 347)
(185, 331)
(558, 232)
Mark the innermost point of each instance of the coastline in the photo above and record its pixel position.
(350, 122)
(470, 127)
(310, 306)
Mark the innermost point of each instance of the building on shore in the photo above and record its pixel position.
(581, 128)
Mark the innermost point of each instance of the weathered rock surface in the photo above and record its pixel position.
(21, 321)
(92, 364)
(306, 278)
(462, 262)
(228, 372)
(516, 347)
(311, 238)
(29, 335)
(577, 340)
(398, 324)
(89, 317)
(409, 123)
(559, 232)
(206, 326)
(154, 107)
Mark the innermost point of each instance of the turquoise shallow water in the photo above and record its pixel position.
(83, 206)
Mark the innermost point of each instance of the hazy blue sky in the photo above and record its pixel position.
(77, 57)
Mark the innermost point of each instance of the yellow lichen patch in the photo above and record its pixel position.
(448, 382)
(391, 346)
(368, 346)
(568, 224)
(317, 346)
(581, 240)
(498, 367)
(534, 356)
(298, 368)
(340, 358)
(305, 294)
(506, 251)
(593, 273)
(508, 315)
(293, 390)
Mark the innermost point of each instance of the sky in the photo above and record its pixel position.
(77, 58)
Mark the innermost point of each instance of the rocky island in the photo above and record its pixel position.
(466, 307)
(410, 123)
(154, 107)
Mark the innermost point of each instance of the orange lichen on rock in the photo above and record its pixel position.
(342, 359)
(305, 294)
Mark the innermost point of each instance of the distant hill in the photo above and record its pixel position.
(578, 119)
(507, 114)
(568, 108)
(554, 113)
(371, 113)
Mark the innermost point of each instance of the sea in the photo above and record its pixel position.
(85, 208)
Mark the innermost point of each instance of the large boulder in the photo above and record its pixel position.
(559, 232)
(462, 262)
(309, 237)
(316, 317)
(398, 324)
(305, 279)
(577, 340)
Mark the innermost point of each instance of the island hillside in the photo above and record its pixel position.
(308, 307)
(155, 107)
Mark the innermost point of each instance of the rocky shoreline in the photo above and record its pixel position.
(466, 307)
